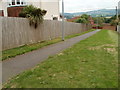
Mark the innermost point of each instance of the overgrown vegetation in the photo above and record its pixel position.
(27, 48)
(83, 19)
(92, 63)
(34, 14)
(113, 20)
(99, 20)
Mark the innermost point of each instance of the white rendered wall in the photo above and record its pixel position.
(3, 6)
(52, 7)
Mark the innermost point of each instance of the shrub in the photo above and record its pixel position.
(34, 14)
(22, 15)
(83, 19)
(114, 22)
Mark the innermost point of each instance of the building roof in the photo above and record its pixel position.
(77, 17)
(73, 19)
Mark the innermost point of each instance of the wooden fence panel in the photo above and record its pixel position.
(17, 31)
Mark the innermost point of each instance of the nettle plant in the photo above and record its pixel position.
(34, 14)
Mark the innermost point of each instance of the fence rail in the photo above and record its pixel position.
(17, 31)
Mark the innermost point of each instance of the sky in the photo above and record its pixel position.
(88, 5)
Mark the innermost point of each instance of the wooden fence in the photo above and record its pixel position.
(17, 31)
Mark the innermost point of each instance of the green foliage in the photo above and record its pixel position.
(85, 16)
(34, 14)
(83, 19)
(114, 17)
(22, 14)
(107, 20)
(113, 20)
(97, 26)
(119, 23)
(99, 20)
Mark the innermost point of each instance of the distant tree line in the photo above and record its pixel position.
(99, 20)
(113, 20)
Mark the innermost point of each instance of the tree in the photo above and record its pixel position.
(85, 16)
(114, 20)
(83, 19)
(99, 20)
(34, 14)
(107, 20)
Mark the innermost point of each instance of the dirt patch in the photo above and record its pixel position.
(99, 47)
(108, 47)
(60, 54)
(110, 50)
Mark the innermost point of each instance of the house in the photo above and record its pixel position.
(73, 19)
(91, 20)
(12, 8)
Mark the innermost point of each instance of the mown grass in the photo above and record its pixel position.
(91, 63)
(27, 48)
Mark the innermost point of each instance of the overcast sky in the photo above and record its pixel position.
(88, 5)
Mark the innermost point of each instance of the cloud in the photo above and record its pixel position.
(88, 5)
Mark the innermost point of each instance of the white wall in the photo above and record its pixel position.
(119, 7)
(3, 6)
(36, 3)
(52, 9)
(0, 5)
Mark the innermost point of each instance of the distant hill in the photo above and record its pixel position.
(95, 13)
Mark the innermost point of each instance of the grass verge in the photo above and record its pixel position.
(91, 63)
(27, 48)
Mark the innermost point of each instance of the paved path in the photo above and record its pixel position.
(27, 61)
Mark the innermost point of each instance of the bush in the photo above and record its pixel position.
(83, 19)
(22, 15)
(34, 14)
(114, 22)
